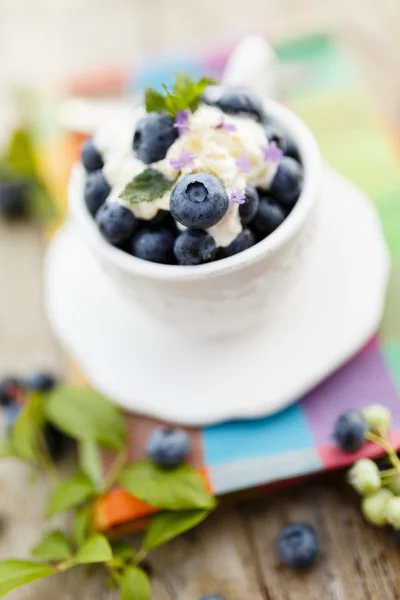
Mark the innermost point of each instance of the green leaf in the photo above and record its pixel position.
(172, 489)
(90, 462)
(84, 414)
(27, 432)
(69, 494)
(154, 101)
(122, 550)
(146, 187)
(166, 526)
(96, 549)
(135, 584)
(53, 547)
(82, 524)
(20, 156)
(16, 573)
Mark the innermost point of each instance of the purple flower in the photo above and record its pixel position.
(182, 121)
(184, 159)
(238, 197)
(227, 126)
(243, 163)
(272, 152)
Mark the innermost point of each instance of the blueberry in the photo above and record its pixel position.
(274, 134)
(97, 189)
(248, 210)
(154, 134)
(55, 440)
(244, 240)
(349, 430)
(292, 150)
(194, 247)
(12, 414)
(116, 222)
(241, 102)
(40, 382)
(167, 446)
(155, 246)
(91, 157)
(269, 216)
(288, 181)
(212, 597)
(163, 219)
(298, 546)
(14, 199)
(199, 200)
(10, 389)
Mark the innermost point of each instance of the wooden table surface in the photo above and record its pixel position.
(233, 553)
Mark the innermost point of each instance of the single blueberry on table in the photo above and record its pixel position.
(155, 133)
(40, 382)
(287, 182)
(269, 216)
(14, 199)
(155, 246)
(241, 102)
(349, 430)
(91, 157)
(116, 222)
(298, 546)
(274, 134)
(10, 389)
(248, 209)
(97, 189)
(194, 247)
(168, 447)
(244, 240)
(199, 201)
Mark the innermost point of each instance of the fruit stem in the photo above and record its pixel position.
(116, 469)
(141, 555)
(387, 446)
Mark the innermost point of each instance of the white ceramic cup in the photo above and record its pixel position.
(222, 297)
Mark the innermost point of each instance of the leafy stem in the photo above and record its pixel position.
(116, 468)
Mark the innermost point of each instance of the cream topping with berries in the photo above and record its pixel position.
(233, 148)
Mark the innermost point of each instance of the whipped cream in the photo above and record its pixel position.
(233, 152)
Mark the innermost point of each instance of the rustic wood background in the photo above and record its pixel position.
(233, 553)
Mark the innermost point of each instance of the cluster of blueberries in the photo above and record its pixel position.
(12, 394)
(198, 201)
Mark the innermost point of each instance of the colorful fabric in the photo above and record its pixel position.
(321, 86)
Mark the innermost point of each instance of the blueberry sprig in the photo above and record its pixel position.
(379, 488)
(163, 480)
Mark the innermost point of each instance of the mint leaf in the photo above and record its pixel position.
(154, 101)
(54, 547)
(81, 525)
(69, 494)
(166, 526)
(27, 432)
(96, 549)
(146, 187)
(122, 550)
(135, 584)
(187, 92)
(90, 462)
(16, 573)
(84, 414)
(178, 489)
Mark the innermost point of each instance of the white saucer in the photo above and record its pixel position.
(144, 367)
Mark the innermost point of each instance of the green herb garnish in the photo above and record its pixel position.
(146, 187)
(184, 95)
